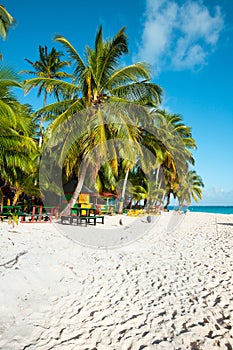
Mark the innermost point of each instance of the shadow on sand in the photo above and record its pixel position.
(225, 223)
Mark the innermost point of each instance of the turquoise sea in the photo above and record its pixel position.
(218, 209)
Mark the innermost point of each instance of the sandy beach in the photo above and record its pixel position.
(164, 289)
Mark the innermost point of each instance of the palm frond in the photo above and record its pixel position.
(109, 54)
(132, 73)
(149, 93)
(79, 65)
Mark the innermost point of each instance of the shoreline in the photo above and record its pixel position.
(163, 291)
(210, 209)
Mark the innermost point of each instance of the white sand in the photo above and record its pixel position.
(163, 291)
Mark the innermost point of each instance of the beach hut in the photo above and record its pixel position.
(86, 196)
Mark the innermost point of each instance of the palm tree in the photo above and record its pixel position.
(24, 180)
(127, 165)
(149, 192)
(177, 156)
(49, 66)
(190, 187)
(98, 81)
(16, 142)
(6, 21)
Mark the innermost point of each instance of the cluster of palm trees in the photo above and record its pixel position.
(122, 141)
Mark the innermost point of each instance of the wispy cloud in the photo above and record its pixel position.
(217, 196)
(177, 36)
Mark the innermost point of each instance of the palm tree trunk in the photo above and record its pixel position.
(1, 200)
(41, 132)
(77, 190)
(18, 192)
(120, 208)
(145, 203)
(41, 135)
(130, 203)
(157, 174)
(168, 200)
(41, 122)
(148, 205)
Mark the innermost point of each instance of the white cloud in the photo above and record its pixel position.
(217, 196)
(197, 23)
(158, 29)
(188, 56)
(179, 37)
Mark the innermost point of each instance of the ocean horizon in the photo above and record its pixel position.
(214, 209)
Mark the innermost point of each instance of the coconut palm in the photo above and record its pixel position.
(99, 80)
(48, 66)
(190, 187)
(177, 155)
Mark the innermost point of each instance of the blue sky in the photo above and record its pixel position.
(189, 45)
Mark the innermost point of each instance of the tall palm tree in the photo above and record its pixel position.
(100, 80)
(49, 66)
(178, 154)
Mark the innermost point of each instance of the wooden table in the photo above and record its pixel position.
(83, 215)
